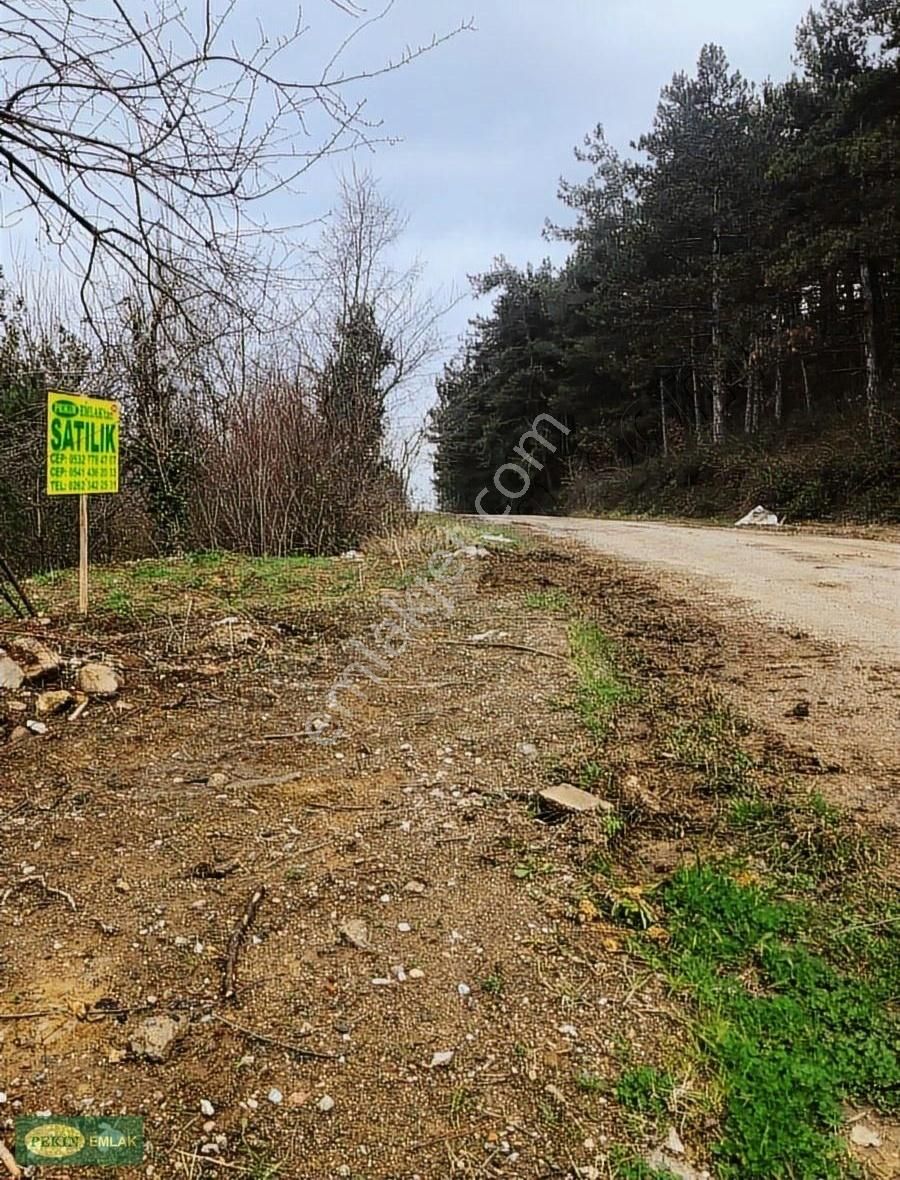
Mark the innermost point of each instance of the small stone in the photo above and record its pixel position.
(122, 886)
(298, 1098)
(441, 1059)
(381, 982)
(325, 1104)
(209, 1126)
(527, 749)
(36, 660)
(11, 675)
(569, 1030)
(414, 887)
(463, 989)
(275, 1096)
(399, 973)
(19, 733)
(673, 1142)
(37, 727)
(217, 780)
(3, 1098)
(664, 1162)
(356, 933)
(416, 973)
(252, 1104)
(863, 1136)
(53, 701)
(207, 1108)
(97, 680)
(565, 797)
(404, 927)
(154, 1038)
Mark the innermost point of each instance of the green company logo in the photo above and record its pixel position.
(65, 409)
(113, 1142)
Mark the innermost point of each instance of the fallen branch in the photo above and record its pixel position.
(46, 888)
(284, 737)
(264, 1039)
(277, 780)
(237, 938)
(345, 806)
(534, 651)
(8, 1160)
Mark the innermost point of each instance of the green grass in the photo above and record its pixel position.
(626, 1166)
(554, 601)
(645, 1090)
(601, 688)
(493, 984)
(786, 1033)
(780, 944)
(206, 583)
(802, 837)
(710, 744)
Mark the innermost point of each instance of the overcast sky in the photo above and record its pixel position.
(486, 124)
(489, 121)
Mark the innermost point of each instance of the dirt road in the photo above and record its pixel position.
(837, 589)
(808, 631)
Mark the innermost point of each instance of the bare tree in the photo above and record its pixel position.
(355, 265)
(148, 142)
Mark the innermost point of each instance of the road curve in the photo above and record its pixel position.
(834, 588)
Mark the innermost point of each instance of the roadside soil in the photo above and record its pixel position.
(791, 621)
(151, 820)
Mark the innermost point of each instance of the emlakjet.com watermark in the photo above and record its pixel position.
(431, 596)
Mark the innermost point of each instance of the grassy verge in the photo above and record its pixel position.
(776, 939)
(218, 584)
(602, 688)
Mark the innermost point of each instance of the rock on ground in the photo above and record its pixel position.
(11, 675)
(564, 797)
(98, 680)
(37, 660)
(155, 1037)
(54, 701)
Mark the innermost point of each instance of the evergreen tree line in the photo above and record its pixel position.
(730, 295)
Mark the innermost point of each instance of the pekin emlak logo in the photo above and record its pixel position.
(111, 1141)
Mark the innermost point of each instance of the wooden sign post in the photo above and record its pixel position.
(82, 460)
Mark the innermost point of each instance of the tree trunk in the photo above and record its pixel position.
(869, 342)
(806, 394)
(748, 404)
(662, 416)
(779, 375)
(718, 373)
(695, 384)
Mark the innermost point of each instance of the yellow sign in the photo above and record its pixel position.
(82, 445)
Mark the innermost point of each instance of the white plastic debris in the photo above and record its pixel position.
(758, 516)
(496, 539)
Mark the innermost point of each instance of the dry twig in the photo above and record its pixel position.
(237, 938)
